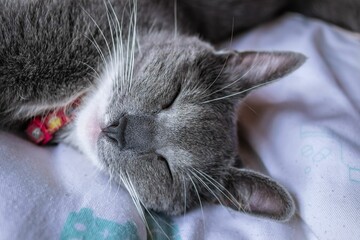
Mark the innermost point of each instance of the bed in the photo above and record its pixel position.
(304, 129)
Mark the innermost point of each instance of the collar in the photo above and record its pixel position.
(41, 129)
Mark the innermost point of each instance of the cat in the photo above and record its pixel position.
(157, 102)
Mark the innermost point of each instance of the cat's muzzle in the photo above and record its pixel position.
(132, 132)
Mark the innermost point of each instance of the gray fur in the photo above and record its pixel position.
(167, 122)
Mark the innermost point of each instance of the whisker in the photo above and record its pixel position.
(108, 183)
(158, 224)
(249, 107)
(114, 58)
(145, 221)
(93, 76)
(110, 26)
(97, 47)
(232, 33)
(107, 190)
(185, 207)
(198, 195)
(207, 187)
(217, 77)
(132, 37)
(113, 180)
(238, 79)
(101, 32)
(223, 66)
(241, 92)
(226, 60)
(175, 19)
(130, 187)
(90, 67)
(95, 174)
(219, 187)
(117, 44)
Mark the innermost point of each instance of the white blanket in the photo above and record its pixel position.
(304, 128)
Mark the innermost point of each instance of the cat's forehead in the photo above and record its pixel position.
(164, 70)
(164, 64)
(161, 73)
(173, 51)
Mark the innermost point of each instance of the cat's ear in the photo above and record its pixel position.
(257, 194)
(245, 71)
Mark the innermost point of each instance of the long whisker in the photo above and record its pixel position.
(139, 200)
(108, 184)
(241, 92)
(249, 107)
(198, 195)
(223, 66)
(158, 224)
(114, 60)
(226, 60)
(110, 22)
(95, 174)
(118, 187)
(232, 33)
(219, 187)
(206, 186)
(185, 207)
(238, 79)
(217, 77)
(90, 67)
(97, 47)
(120, 57)
(130, 187)
(132, 39)
(116, 42)
(101, 32)
(175, 19)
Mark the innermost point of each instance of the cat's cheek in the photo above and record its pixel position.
(87, 132)
(92, 132)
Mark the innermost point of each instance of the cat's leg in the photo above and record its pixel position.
(23, 98)
(35, 79)
(46, 59)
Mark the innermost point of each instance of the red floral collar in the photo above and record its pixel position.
(41, 129)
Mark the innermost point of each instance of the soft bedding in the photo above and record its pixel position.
(304, 129)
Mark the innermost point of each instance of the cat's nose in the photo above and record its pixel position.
(133, 132)
(116, 131)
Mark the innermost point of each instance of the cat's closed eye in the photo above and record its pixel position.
(165, 160)
(170, 103)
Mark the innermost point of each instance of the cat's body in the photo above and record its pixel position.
(158, 109)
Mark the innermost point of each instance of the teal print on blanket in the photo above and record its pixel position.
(321, 148)
(85, 226)
(354, 174)
(162, 227)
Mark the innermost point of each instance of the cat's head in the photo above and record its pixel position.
(164, 126)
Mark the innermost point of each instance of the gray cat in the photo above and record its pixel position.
(158, 104)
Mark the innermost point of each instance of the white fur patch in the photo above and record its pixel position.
(91, 118)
